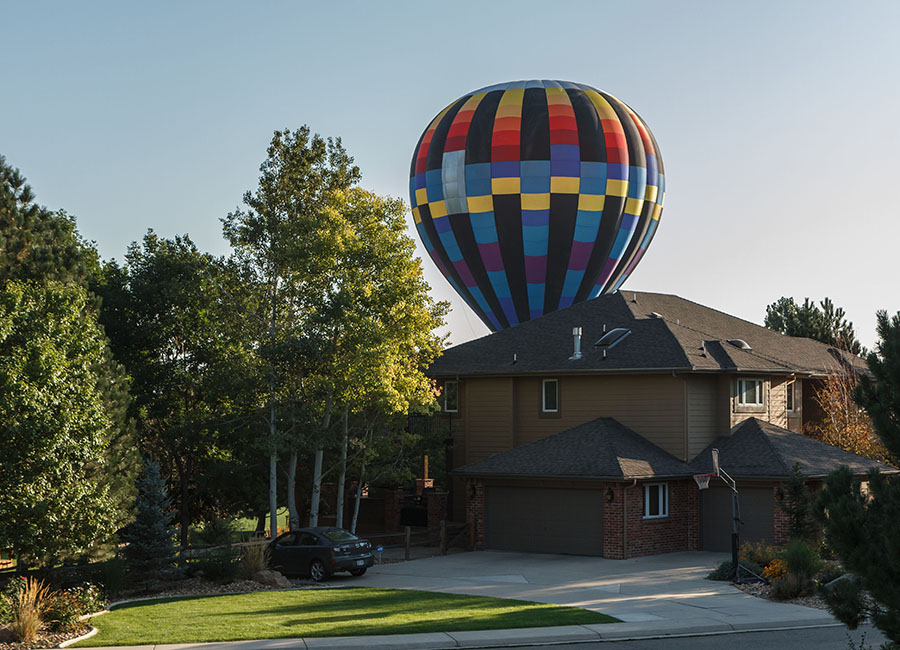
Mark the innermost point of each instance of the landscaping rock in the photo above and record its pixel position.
(271, 578)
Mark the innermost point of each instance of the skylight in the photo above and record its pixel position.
(612, 337)
(740, 343)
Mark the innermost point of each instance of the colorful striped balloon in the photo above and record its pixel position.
(533, 195)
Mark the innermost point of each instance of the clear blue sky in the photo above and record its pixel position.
(777, 121)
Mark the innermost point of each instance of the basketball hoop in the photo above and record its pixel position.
(703, 480)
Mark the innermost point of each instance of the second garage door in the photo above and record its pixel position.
(757, 510)
(543, 520)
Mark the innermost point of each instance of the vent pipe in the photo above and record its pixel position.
(576, 340)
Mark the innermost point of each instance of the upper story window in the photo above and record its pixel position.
(750, 392)
(656, 500)
(550, 396)
(790, 396)
(451, 396)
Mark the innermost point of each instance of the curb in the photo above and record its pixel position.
(87, 635)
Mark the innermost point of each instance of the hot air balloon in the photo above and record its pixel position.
(533, 195)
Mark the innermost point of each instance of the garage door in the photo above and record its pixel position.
(757, 510)
(543, 520)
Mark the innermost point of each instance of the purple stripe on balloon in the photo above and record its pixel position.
(581, 253)
(607, 271)
(535, 269)
(464, 273)
(566, 301)
(491, 256)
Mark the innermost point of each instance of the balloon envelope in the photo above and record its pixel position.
(533, 195)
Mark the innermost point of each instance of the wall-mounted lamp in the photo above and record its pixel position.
(609, 495)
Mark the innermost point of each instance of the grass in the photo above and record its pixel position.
(322, 612)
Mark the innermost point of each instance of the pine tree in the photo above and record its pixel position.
(797, 505)
(862, 527)
(151, 537)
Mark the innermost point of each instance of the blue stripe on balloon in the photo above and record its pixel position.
(435, 185)
(637, 182)
(617, 171)
(504, 296)
(479, 298)
(535, 177)
(536, 300)
(505, 169)
(624, 234)
(478, 179)
(429, 247)
(483, 227)
(534, 239)
(448, 239)
(587, 223)
(570, 287)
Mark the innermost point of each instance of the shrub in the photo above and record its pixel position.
(723, 571)
(25, 602)
(759, 553)
(218, 532)
(111, 575)
(775, 570)
(254, 557)
(220, 565)
(790, 586)
(802, 561)
(64, 607)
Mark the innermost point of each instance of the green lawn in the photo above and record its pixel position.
(321, 612)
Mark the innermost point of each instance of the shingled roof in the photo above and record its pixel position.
(599, 449)
(758, 449)
(667, 333)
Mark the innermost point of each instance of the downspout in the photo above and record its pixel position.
(625, 519)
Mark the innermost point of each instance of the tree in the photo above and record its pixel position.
(150, 537)
(44, 259)
(825, 323)
(285, 240)
(56, 426)
(861, 526)
(845, 424)
(797, 505)
(192, 372)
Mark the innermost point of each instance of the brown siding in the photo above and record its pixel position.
(651, 405)
(702, 406)
(488, 417)
(777, 405)
(795, 418)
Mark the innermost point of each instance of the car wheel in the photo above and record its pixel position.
(358, 572)
(317, 571)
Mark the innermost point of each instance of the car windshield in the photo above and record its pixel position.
(339, 535)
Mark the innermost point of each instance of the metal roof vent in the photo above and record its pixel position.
(740, 343)
(612, 338)
(655, 314)
(576, 336)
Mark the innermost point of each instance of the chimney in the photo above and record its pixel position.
(576, 336)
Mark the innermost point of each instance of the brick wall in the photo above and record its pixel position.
(392, 509)
(677, 532)
(612, 521)
(475, 512)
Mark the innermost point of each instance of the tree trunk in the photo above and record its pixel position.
(317, 472)
(292, 491)
(359, 487)
(342, 479)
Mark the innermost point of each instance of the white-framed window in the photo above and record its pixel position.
(750, 392)
(656, 500)
(550, 396)
(451, 396)
(789, 397)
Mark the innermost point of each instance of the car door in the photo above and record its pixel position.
(309, 547)
(286, 554)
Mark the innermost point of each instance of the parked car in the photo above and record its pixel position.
(320, 552)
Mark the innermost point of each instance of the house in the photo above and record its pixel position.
(580, 431)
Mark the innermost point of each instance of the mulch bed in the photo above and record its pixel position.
(762, 590)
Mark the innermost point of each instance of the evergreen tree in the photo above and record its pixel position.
(797, 505)
(825, 323)
(151, 536)
(862, 527)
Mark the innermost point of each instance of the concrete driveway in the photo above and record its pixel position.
(662, 594)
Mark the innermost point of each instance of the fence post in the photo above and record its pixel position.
(406, 552)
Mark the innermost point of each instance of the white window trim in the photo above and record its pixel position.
(446, 408)
(663, 500)
(792, 406)
(741, 392)
(544, 408)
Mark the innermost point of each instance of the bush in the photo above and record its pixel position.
(844, 599)
(66, 606)
(218, 532)
(759, 553)
(220, 565)
(775, 570)
(788, 587)
(111, 575)
(24, 603)
(255, 557)
(723, 571)
(802, 561)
